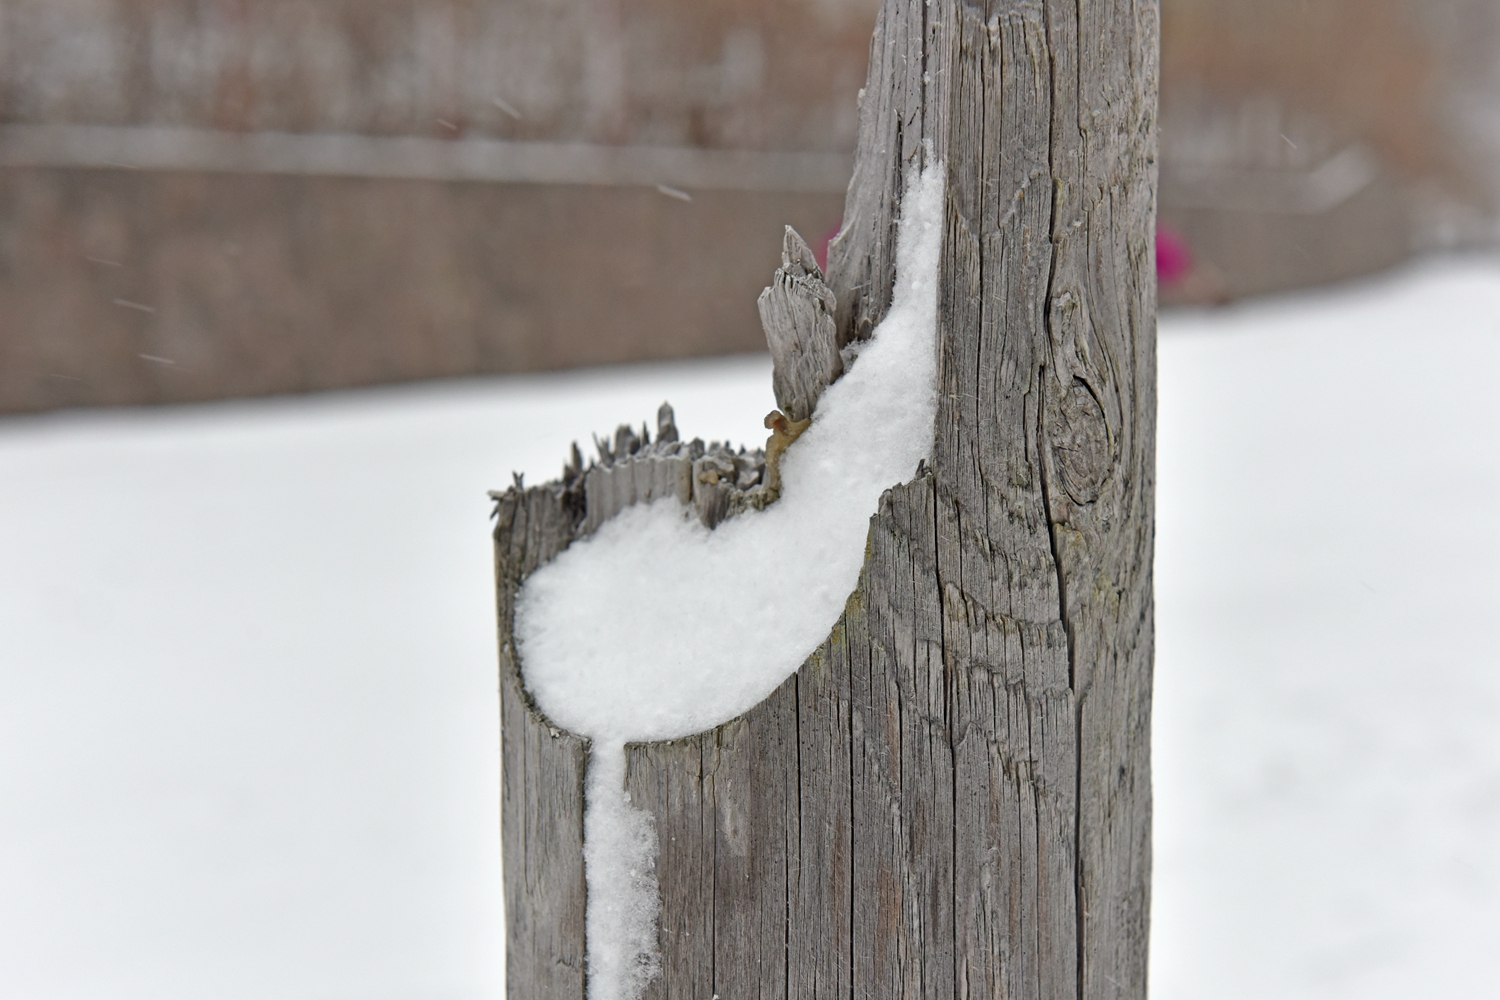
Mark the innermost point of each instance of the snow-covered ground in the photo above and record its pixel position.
(248, 731)
(1327, 751)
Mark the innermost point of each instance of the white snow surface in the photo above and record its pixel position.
(656, 627)
(248, 741)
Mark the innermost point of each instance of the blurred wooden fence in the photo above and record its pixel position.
(207, 198)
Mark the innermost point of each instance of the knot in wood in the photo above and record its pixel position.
(1078, 434)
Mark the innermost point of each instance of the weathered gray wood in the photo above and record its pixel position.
(726, 482)
(796, 312)
(892, 126)
(542, 771)
(637, 479)
(727, 868)
(951, 798)
(543, 766)
(1044, 457)
(718, 480)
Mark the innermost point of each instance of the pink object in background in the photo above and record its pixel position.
(1173, 258)
(820, 251)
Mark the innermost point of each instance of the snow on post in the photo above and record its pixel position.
(656, 666)
(832, 718)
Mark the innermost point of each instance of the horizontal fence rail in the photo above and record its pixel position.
(418, 158)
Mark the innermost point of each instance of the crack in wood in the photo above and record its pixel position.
(951, 797)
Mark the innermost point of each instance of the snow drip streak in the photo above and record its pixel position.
(656, 628)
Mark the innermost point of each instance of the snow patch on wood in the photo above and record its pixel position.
(656, 627)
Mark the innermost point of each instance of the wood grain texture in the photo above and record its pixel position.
(542, 771)
(542, 765)
(1044, 116)
(951, 798)
(796, 312)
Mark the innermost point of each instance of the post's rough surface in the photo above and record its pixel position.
(796, 312)
(542, 769)
(951, 798)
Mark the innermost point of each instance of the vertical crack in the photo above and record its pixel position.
(797, 735)
(1042, 469)
(849, 681)
(950, 711)
(1068, 631)
(713, 862)
(1073, 681)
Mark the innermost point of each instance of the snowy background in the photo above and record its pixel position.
(248, 723)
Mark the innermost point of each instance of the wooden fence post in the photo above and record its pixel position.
(951, 798)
